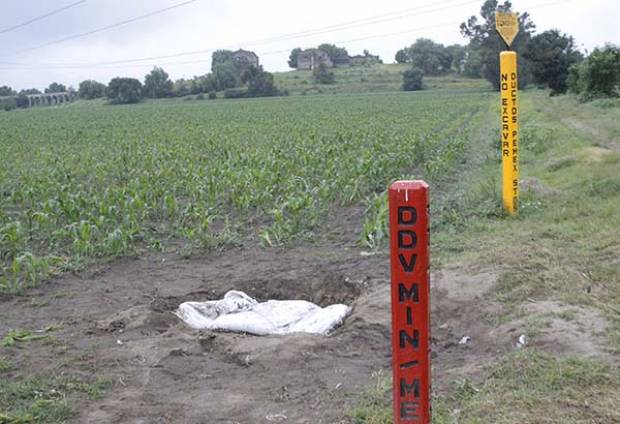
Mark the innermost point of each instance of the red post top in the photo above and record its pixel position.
(410, 287)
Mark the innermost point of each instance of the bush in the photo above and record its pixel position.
(262, 85)
(124, 91)
(212, 95)
(200, 96)
(157, 84)
(90, 89)
(22, 101)
(235, 93)
(322, 75)
(412, 79)
(598, 76)
(8, 103)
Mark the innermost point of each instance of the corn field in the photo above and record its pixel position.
(90, 181)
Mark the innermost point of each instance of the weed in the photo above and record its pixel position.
(21, 336)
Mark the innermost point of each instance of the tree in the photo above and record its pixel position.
(598, 76)
(225, 75)
(22, 101)
(472, 64)
(336, 54)
(30, 91)
(412, 79)
(219, 57)
(487, 44)
(458, 53)
(181, 87)
(322, 75)
(402, 56)
(292, 59)
(431, 57)
(259, 82)
(90, 89)
(551, 54)
(56, 88)
(6, 91)
(157, 84)
(124, 90)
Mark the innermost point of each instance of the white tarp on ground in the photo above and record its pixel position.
(239, 312)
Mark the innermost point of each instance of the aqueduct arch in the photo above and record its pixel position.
(48, 99)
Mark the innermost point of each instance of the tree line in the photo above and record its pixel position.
(235, 78)
(548, 59)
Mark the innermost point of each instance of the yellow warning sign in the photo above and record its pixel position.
(507, 24)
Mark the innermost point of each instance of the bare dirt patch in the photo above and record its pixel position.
(564, 330)
(115, 322)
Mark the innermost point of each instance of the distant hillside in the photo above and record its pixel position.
(363, 79)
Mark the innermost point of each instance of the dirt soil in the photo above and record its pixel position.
(115, 322)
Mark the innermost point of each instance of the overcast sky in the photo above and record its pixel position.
(207, 24)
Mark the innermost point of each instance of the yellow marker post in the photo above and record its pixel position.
(507, 25)
(510, 131)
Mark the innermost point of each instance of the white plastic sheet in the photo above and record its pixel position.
(238, 312)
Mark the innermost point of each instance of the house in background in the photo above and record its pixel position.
(311, 58)
(245, 59)
(365, 59)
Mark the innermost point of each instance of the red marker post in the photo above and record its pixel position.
(409, 262)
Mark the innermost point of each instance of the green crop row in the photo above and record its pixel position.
(77, 183)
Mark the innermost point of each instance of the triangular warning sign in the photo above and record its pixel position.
(507, 25)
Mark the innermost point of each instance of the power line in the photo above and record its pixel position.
(109, 65)
(386, 17)
(101, 29)
(41, 17)
(372, 20)
(269, 53)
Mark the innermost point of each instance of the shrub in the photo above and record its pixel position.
(412, 79)
(212, 95)
(235, 93)
(322, 75)
(157, 84)
(22, 101)
(598, 76)
(90, 89)
(124, 91)
(8, 103)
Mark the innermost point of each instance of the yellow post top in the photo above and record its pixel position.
(507, 25)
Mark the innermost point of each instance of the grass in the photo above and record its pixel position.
(370, 79)
(21, 336)
(5, 365)
(564, 246)
(523, 387)
(86, 183)
(45, 398)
